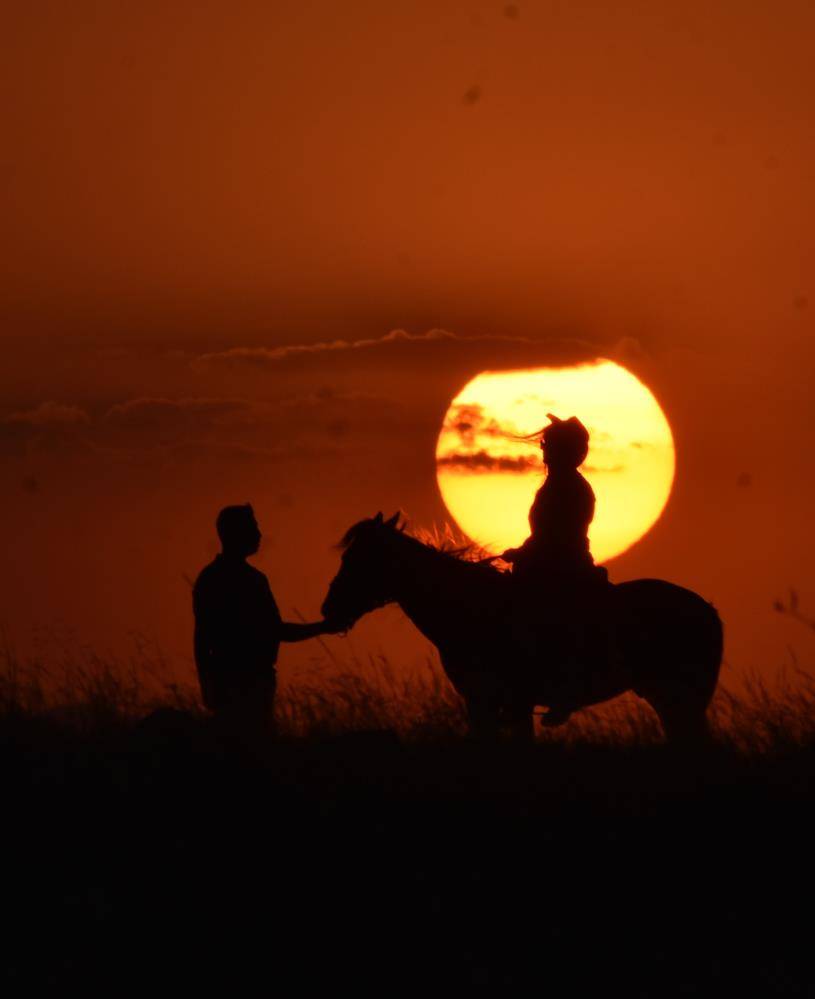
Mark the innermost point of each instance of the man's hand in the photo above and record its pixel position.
(291, 631)
(510, 554)
(334, 627)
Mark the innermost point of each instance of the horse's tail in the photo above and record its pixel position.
(684, 717)
(713, 644)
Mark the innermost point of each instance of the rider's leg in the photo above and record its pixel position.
(570, 688)
(588, 633)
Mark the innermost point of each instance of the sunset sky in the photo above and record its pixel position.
(252, 251)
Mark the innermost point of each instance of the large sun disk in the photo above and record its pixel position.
(488, 478)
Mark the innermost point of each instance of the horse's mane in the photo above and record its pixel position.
(444, 541)
(447, 542)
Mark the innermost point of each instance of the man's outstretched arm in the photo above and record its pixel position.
(290, 631)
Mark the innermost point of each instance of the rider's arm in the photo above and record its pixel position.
(511, 554)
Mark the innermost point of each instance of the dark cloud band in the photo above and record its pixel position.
(480, 461)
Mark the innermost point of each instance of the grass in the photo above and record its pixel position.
(373, 845)
(85, 692)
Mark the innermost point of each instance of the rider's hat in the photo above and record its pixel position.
(567, 441)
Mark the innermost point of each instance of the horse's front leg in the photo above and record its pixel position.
(491, 718)
(521, 723)
(483, 718)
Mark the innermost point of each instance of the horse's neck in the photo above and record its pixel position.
(431, 589)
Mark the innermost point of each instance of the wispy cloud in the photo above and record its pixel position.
(515, 349)
(49, 414)
(264, 356)
(148, 412)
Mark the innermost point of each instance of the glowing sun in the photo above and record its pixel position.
(488, 480)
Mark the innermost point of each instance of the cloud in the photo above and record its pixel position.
(47, 427)
(468, 421)
(263, 356)
(480, 461)
(153, 428)
(146, 422)
(327, 398)
(49, 414)
(285, 428)
(627, 348)
(147, 412)
(207, 450)
(601, 469)
(223, 453)
(399, 345)
(337, 414)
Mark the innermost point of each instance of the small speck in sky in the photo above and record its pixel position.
(472, 95)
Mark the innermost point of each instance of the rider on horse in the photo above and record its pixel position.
(554, 567)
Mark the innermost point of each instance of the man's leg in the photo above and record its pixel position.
(246, 714)
(263, 719)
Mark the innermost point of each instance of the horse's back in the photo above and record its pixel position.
(658, 596)
(659, 590)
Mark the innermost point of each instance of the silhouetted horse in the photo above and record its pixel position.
(669, 639)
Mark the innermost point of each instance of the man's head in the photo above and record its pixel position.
(238, 530)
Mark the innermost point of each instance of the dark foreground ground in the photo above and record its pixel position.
(153, 856)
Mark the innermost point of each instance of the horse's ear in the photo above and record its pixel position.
(378, 518)
(393, 521)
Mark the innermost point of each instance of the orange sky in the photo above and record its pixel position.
(182, 181)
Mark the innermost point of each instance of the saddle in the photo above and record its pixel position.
(566, 624)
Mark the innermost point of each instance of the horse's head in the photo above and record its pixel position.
(364, 581)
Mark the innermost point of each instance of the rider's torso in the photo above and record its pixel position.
(559, 521)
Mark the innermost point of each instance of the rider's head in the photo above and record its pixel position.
(238, 530)
(565, 443)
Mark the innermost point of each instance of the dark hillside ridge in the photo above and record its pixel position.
(152, 854)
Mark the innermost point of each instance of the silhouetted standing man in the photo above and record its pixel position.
(238, 629)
